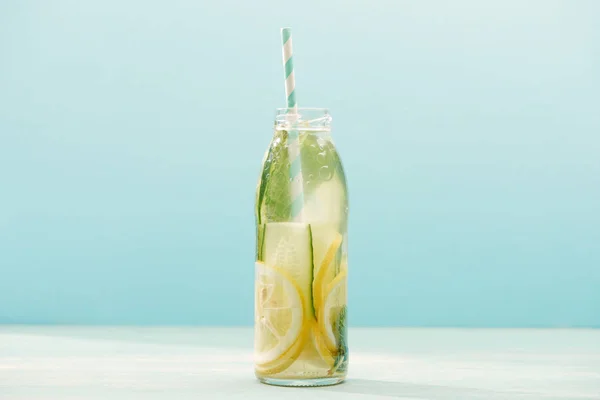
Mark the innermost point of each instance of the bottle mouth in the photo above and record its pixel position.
(303, 118)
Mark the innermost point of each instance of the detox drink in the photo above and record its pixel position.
(301, 266)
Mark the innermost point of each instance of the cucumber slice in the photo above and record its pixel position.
(288, 246)
(327, 203)
(273, 201)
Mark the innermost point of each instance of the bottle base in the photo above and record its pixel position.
(302, 382)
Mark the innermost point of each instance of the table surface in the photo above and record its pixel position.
(216, 363)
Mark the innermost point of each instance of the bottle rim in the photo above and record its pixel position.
(303, 117)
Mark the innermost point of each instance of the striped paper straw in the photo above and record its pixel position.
(297, 191)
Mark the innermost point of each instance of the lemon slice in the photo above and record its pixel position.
(310, 353)
(279, 317)
(284, 361)
(319, 342)
(333, 305)
(326, 268)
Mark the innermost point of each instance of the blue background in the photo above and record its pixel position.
(131, 135)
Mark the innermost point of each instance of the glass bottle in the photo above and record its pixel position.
(301, 255)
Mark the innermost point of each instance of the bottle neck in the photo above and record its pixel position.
(302, 120)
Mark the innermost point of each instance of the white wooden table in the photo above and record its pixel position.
(216, 363)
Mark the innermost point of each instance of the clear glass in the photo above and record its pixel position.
(301, 255)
